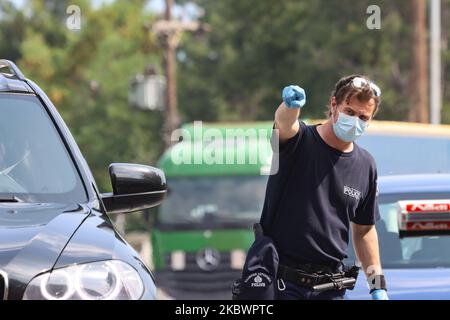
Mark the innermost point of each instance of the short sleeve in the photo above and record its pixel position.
(368, 212)
(288, 146)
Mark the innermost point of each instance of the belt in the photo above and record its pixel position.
(322, 279)
(305, 278)
(316, 268)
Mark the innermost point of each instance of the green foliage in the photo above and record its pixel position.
(86, 74)
(234, 72)
(255, 48)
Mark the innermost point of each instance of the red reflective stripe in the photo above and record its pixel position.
(428, 207)
(428, 225)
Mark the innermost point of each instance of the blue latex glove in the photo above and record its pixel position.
(379, 294)
(294, 97)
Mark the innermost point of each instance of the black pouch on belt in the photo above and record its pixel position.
(259, 275)
(345, 280)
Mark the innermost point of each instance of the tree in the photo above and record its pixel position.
(12, 30)
(255, 48)
(419, 111)
(86, 74)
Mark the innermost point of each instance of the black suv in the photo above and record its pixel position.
(56, 241)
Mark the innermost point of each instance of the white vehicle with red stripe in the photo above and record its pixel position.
(423, 217)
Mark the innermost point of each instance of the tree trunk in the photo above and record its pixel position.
(172, 120)
(419, 75)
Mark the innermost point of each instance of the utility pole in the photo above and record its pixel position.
(172, 118)
(419, 75)
(169, 33)
(435, 62)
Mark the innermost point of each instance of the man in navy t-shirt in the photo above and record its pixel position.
(325, 183)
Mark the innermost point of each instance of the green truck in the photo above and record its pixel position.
(216, 180)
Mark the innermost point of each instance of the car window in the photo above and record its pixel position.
(414, 252)
(34, 163)
(222, 199)
(404, 154)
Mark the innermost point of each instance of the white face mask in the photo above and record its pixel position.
(349, 128)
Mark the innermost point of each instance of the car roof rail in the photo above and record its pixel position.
(14, 71)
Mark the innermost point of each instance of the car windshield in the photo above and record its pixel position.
(34, 163)
(214, 199)
(415, 252)
(404, 154)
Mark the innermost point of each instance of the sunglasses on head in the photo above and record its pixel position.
(360, 83)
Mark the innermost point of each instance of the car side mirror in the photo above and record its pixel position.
(135, 187)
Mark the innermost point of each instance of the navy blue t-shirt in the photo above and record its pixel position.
(317, 191)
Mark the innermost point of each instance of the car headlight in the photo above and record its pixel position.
(104, 280)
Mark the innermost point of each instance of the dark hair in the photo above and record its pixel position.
(344, 91)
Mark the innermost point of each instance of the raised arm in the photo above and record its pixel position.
(287, 114)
